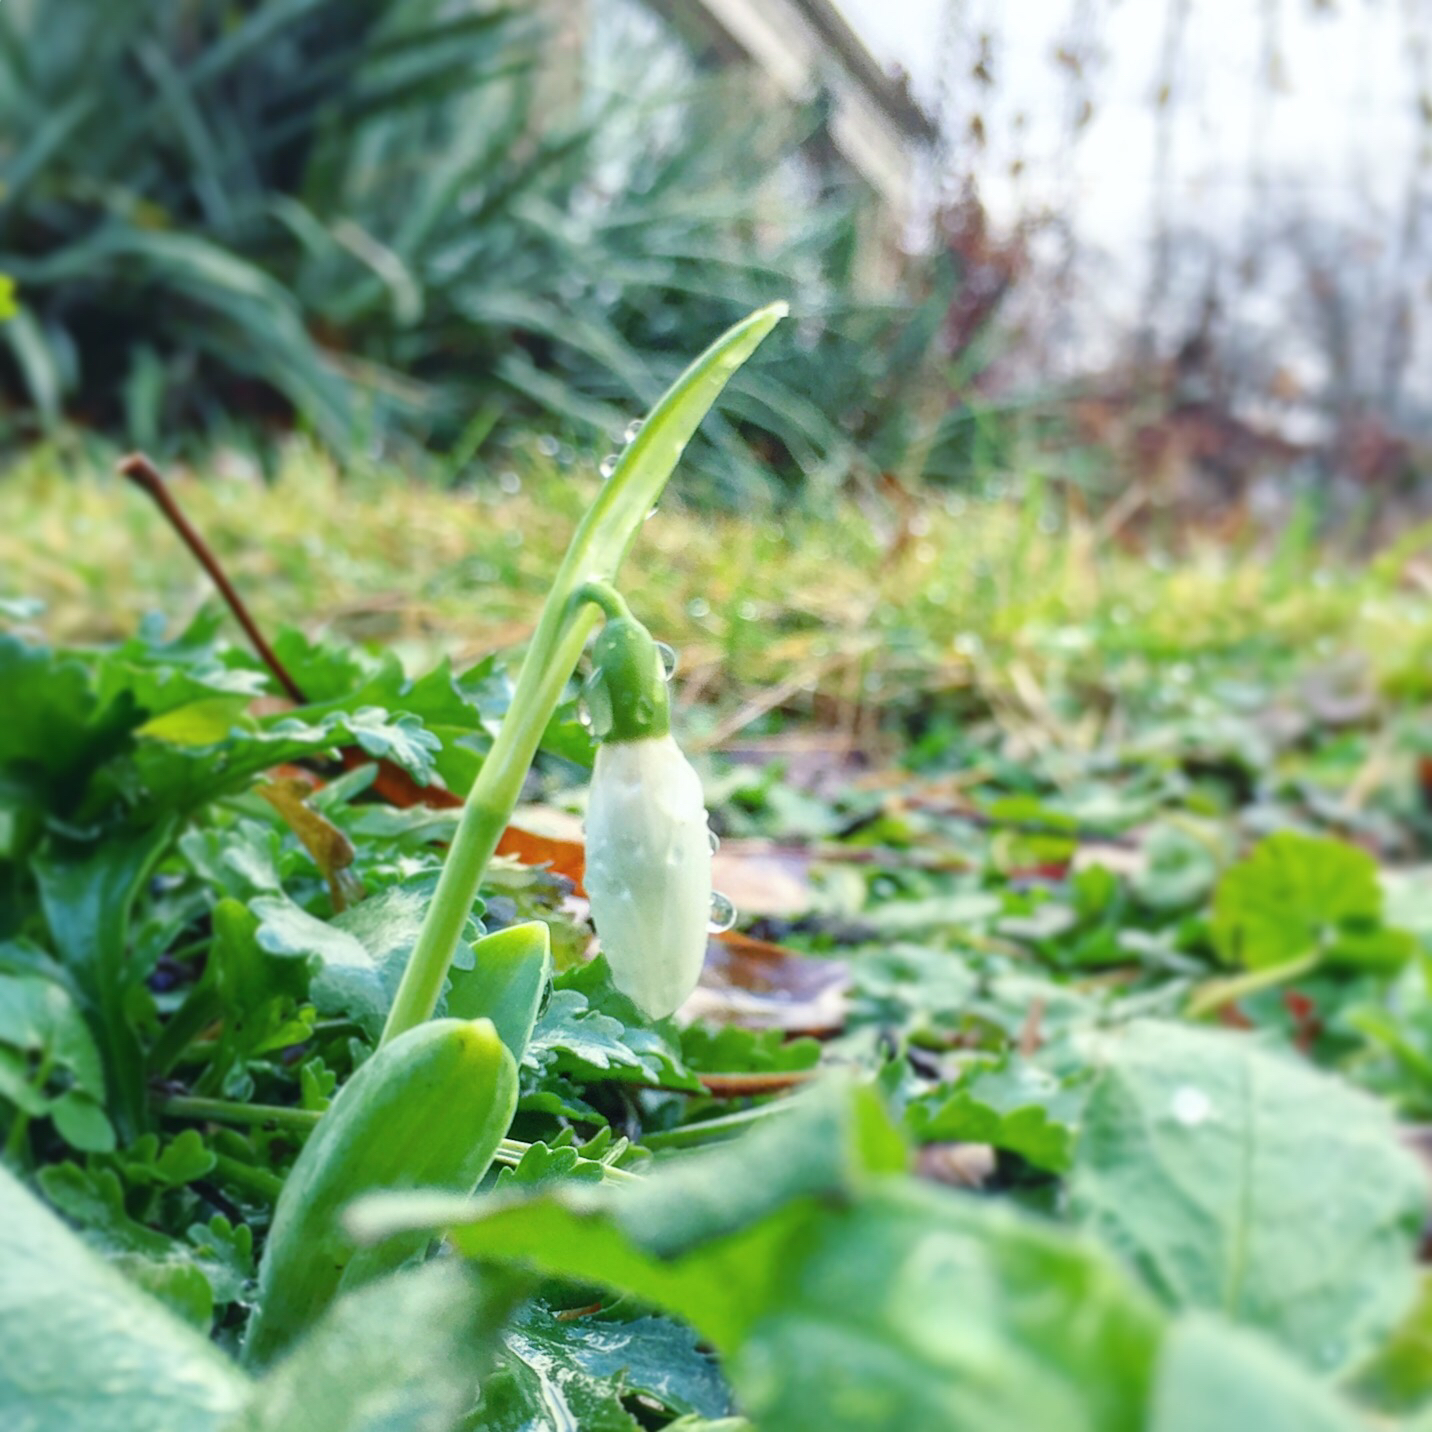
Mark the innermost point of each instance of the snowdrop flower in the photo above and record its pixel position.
(648, 873)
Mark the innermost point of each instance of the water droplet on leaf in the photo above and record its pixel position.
(599, 708)
(723, 913)
(632, 429)
(1190, 1106)
(608, 465)
(669, 659)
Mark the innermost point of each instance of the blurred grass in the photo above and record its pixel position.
(865, 618)
(412, 222)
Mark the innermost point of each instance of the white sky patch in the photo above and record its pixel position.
(1317, 126)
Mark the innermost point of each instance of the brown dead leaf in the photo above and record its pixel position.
(331, 850)
(757, 985)
(760, 878)
(564, 857)
(959, 1165)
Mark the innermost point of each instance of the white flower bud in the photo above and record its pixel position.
(648, 873)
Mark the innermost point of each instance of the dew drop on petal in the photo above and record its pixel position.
(715, 841)
(723, 913)
(1190, 1106)
(669, 659)
(608, 465)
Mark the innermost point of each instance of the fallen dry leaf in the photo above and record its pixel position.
(330, 848)
(758, 985)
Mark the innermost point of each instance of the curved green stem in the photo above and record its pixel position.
(604, 595)
(596, 551)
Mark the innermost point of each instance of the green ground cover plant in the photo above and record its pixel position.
(396, 225)
(1067, 1067)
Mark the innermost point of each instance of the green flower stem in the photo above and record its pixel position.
(16, 1147)
(267, 1185)
(706, 1130)
(223, 1111)
(605, 597)
(596, 551)
(1218, 993)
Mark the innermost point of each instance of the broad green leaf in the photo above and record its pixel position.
(401, 1355)
(1216, 1378)
(841, 1294)
(85, 1349)
(703, 1424)
(201, 723)
(1300, 895)
(93, 1198)
(729, 1047)
(172, 1269)
(575, 1374)
(1239, 1180)
(506, 983)
(923, 1308)
(54, 722)
(460, 712)
(733, 1225)
(178, 1283)
(399, 737)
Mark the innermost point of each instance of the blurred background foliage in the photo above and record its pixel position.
(408, 228)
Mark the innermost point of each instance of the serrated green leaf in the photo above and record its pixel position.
(590, 1029)
(577, 1373)
(1297, 896)
(1016, 1107)
(356, 959)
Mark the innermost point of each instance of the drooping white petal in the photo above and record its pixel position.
(648, 873)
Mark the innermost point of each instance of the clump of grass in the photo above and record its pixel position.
(878, 610)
